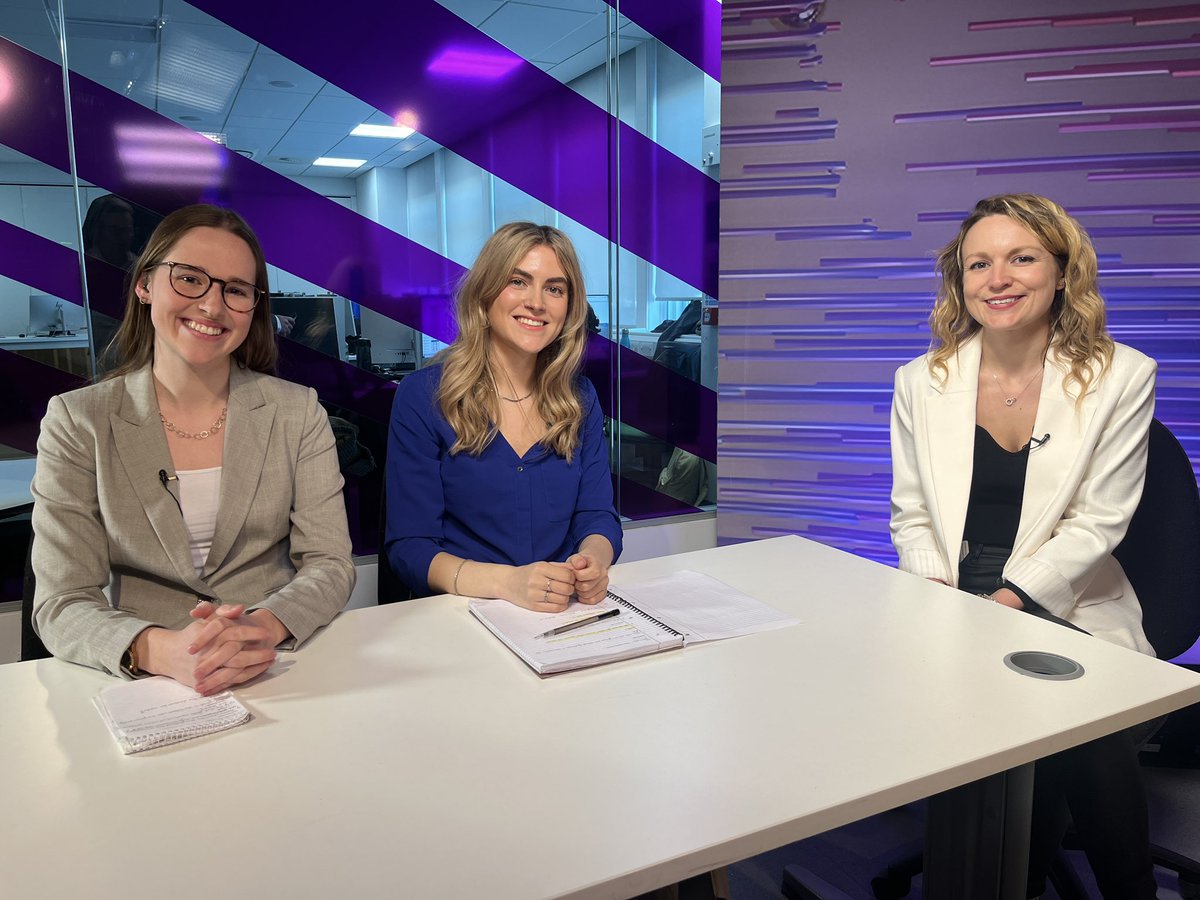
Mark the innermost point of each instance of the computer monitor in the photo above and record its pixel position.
(316, 324)
(430, 347)
(391, 341)
(49, 315)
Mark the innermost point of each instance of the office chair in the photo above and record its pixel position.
(1160, 559)
(391, 588)
(1159, 556)
(31, 645)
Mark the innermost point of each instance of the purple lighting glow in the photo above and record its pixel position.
(168, 156)
(474, 64)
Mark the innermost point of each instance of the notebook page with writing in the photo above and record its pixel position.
(155, 712)
(624, 636)
(701, 607)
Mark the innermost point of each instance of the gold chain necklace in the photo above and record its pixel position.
(198, 435)
(514, 399)
(1009, 401)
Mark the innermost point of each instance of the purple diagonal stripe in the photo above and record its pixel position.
(28, 387)
(692, 28)
(682, 411)
(523, 126)
(29, 79)
(315, 238)
(39, 262)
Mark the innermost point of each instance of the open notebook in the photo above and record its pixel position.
(660, 614)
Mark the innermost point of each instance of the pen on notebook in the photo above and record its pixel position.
(579, 623)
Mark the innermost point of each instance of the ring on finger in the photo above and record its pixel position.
(545, 594)
(547, 585)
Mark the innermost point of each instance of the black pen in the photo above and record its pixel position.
(579, 623)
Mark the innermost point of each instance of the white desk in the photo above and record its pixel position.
(46, 342)
(406, 752)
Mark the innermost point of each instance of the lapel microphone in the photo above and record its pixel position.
(1034, 442)
(166, 480)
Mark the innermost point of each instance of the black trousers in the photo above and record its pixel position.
(1097, 786)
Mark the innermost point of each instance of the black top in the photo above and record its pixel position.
(997, 485)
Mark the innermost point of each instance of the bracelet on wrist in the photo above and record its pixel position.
(457, 572)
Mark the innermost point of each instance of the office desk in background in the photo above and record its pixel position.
(406, 752)
(68, 352)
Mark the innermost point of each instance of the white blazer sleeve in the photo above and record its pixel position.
(911, 523)
(1098, 515)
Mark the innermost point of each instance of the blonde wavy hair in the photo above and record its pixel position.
(1077, 318)
(467, 394)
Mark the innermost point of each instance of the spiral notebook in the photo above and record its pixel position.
(155, 712)
(680, 609)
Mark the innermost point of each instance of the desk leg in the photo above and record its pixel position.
(977, 839)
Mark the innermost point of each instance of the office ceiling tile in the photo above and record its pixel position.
(270, 104)
(473, 11)
(346, 111)
(596, 29)
(527, 29)
(271, 72)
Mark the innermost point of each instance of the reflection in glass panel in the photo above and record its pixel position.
(343, 286)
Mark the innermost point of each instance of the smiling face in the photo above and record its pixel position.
(1009, 278)
(199, 333)
(530, 311)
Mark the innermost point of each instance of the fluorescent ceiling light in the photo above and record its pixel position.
(397, 132)
(339, 163)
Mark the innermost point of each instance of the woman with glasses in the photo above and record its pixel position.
(188, 517)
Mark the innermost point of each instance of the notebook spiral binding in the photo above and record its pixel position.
(641, 612)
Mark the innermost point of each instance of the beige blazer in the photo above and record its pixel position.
(1082, 485)
(110, 548)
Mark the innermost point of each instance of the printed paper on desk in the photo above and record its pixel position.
(608, 640)
(701, 607)
(155, 712)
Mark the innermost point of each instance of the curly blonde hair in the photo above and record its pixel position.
(466, 394)
(1077, 318)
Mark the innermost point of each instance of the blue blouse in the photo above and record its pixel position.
(496, 507)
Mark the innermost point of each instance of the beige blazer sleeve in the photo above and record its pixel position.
(110, 550)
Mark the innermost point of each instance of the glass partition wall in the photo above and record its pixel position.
(373, 174)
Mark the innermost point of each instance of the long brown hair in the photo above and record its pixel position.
(134, 340)
(466, 394)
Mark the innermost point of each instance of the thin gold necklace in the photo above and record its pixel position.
(196, 435)
(1009, 401)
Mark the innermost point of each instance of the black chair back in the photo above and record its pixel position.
(391, 588)
(1161, 550)
(31, 645)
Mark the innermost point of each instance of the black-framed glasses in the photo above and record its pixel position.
(193, 282)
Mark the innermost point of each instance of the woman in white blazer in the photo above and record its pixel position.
(188, 516)
(1018, 454)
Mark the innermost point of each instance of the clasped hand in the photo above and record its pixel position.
(221, 648)
(549, 586)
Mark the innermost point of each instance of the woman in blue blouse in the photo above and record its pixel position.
(498, 481)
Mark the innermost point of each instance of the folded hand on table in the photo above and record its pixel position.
(224, 646)
(591, 576)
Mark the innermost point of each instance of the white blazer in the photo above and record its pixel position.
(1082, 485)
